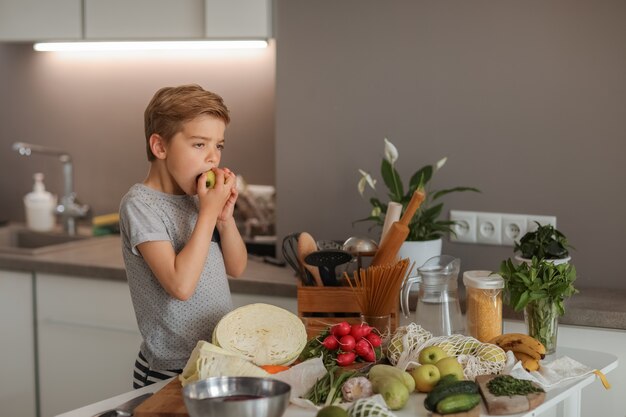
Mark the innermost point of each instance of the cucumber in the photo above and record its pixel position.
(458, 403)
(442, 391)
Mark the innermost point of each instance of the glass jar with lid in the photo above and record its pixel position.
(484, 304)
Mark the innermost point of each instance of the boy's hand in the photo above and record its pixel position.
(229, 206)
(214, 199)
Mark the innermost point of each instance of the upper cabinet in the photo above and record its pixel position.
(238, 19)
(144, 19)
(29, 20)
(41, 20)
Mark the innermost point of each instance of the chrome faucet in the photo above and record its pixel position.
(70, 209)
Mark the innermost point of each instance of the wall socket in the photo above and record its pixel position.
(494, 228)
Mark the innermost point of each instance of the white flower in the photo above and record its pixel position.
(376, 211)
(366, 178)
(391, 153)
(440, 163)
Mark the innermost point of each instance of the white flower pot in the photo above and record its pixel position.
(420, 251)
(554, 261)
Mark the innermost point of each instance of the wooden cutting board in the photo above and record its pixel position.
(507, 405)
(168, 402)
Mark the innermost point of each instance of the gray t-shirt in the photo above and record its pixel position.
(170, 327)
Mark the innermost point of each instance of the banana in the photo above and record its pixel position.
(513, 341)
(528, 362)
(522, 348)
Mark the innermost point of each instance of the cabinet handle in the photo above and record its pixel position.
(72, 323)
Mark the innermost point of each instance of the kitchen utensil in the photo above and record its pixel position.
(398, 232)
(438, 309)
(355, 245)
(394, 210)
(236, 396)
(290, 254)
(307, 245)
(328, 244)
(126, 409)
(359, 247)
(505, 404)
(327, 261)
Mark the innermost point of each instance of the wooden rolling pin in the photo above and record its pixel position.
(395, 237)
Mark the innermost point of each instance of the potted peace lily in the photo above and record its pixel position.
(426, 228)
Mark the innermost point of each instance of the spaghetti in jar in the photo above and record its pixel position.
(484, 304)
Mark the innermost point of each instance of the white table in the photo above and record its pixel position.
(566, 398)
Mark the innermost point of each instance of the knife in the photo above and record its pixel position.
(126, 409)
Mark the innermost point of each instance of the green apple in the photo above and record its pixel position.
(431, 355)
(450, 366)
(210, 179)
(425, 376)
(469, 348)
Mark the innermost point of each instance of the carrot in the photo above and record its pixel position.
(274, 369)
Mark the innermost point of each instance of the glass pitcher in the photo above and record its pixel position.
(438, 309)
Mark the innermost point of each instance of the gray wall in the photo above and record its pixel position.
(92, 106)
(526, 99)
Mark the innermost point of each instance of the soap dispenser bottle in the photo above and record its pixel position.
(40, 206)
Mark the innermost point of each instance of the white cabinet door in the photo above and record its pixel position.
(144, 19)
(17, 346)
(32, 20)
(238, 19)
(88, 341)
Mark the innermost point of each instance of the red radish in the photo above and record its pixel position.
(360, 330)
(347, 343)
(374, 339)
(331, 342)
(370, 356)
(344, 359)
(340, 329)
(362, 347)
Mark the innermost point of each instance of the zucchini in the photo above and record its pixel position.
(458, 403)
(442, 391)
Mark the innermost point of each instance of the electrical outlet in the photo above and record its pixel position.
(494, 228)
(531, 226)
(489, 228)
(513, 228)
(465, 227)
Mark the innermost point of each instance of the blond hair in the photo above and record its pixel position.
(172, 106)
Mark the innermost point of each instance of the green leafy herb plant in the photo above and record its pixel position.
(540, 289)
(426, 224)
(545, 243)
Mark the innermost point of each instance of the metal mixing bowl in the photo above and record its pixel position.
(239, 396)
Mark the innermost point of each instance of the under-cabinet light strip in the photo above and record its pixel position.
(147, 46)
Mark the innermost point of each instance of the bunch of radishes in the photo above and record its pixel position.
(351, 342)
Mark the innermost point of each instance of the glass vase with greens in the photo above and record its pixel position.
(539, 288)
(426, 224)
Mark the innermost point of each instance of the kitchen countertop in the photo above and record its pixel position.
(567, 393)
(101, 258)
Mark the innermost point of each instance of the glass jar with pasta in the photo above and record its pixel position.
(484, 304)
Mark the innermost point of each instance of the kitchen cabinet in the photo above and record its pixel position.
(17, 361)
(35, 20)
(87, 340)
(28, 20)
(144, 19)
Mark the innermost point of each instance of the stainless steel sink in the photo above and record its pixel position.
(17, 239)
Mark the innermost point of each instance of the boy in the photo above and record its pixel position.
(179, 238)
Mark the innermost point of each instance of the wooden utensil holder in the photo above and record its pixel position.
(321, 307)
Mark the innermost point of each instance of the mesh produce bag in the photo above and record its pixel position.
(405, 344)
(370, 407)
(477, 358)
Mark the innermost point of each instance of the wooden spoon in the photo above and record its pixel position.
(307, 245)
